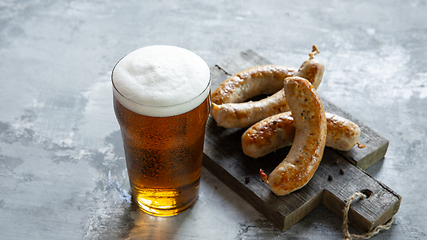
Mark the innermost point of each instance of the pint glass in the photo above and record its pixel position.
(162, 102)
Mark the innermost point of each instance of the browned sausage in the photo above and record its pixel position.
(228, 108)
(252, 82)
(278, 131)
(304, 157)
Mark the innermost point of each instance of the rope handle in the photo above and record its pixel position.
(350, 236)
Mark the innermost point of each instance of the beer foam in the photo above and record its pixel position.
(161, 81)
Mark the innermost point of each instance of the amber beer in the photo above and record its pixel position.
(163, 138)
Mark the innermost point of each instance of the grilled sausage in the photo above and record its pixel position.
(304, 157)
(278, 131)
(252, 82)
(228, 108)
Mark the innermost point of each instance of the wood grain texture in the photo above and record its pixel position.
(329, 186)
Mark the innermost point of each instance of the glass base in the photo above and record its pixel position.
(166, 202)
(164, 212)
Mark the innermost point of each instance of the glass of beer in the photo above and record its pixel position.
(162, 102)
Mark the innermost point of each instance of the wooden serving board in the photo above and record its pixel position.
(223, 156)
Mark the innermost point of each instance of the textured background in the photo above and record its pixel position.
(62, 169)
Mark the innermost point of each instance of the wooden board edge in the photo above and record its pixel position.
(336, 205)
(248, 57)
(247, 195)
(303, 211)
(273, 215)
(374, 157)
(367, 134)
(355, 219)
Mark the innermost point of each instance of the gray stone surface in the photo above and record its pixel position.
(62, 169)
